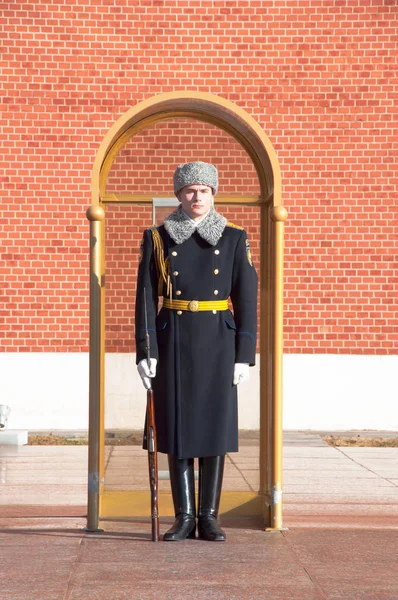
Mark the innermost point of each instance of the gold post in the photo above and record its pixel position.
(95, 214)
(278, 216)
(265, 361)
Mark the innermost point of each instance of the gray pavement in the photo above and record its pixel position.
(340, 510)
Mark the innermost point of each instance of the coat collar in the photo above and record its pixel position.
(180, 228)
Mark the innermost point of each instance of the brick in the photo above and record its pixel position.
(320, 81)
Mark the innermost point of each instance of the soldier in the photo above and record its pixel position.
(200, 351)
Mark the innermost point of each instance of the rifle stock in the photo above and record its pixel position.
(152, 463)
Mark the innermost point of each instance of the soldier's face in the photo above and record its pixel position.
(196, 200)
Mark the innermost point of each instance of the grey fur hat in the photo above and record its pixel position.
(196, 173)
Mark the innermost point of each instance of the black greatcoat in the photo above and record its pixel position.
(195, 399)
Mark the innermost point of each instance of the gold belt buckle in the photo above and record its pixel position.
(193, 306)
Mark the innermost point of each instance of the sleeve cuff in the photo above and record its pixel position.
(245, 348)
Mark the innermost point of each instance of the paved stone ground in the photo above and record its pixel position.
(340, 507)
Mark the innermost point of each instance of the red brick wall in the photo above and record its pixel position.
(318, 75)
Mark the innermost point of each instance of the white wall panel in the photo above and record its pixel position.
(321, 391)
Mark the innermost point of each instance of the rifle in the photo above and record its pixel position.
(151, 439)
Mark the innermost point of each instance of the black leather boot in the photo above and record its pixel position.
(211, 470)
(182, 481)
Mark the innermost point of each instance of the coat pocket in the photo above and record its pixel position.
(230, 324)
(161, 326)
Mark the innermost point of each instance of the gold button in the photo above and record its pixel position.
(175, 273)
(179, 312)
(174, 253)
(214, 312)
(178, 292)
(216, 252)
(216, 271)
(215, 292)
(193, 306)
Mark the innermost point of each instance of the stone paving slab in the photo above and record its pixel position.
(54, 559)
(340, 507)
(44, 494)
(41, 475)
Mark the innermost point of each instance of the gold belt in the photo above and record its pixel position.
(195, 305)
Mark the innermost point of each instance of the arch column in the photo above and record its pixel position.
(275, 423)
(96, 215)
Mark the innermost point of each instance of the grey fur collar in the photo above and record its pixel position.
(180, 229)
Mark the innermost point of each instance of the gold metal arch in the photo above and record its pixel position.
(227, 116)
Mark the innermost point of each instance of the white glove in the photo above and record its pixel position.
(241, 373)
(146, 372)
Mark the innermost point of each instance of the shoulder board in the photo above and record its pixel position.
(229, 224)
